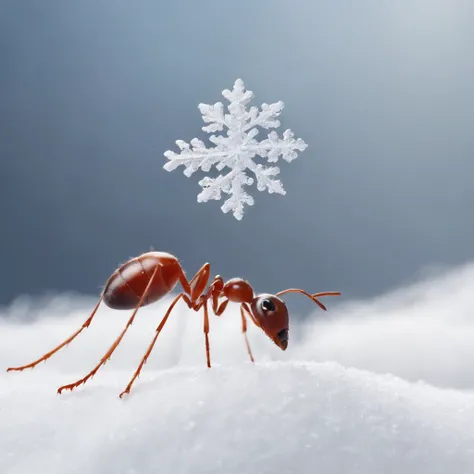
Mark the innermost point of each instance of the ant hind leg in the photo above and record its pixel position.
(65, 343)
(112, 348)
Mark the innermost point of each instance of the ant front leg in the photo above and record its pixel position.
(215, 290)
(244, 329)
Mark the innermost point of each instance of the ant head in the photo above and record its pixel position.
(272, 316)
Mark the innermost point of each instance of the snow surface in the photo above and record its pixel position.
(346, 396)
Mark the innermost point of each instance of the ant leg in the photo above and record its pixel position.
(196, 285)
(112, 348)
(65, 343)
(213, 292)
(206, 334)
(215, 289)
(203, 302)
(157, 333)
(244, 330)
(246, 309)
(221, 308)
(313, 297)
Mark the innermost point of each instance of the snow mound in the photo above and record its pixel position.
(284, 417)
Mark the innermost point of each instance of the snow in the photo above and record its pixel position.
(346, 397)
(237, 150)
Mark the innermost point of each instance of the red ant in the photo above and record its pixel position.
(147, 278)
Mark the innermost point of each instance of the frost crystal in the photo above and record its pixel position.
(236, 150)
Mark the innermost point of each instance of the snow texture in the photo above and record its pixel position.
(237, 150)
(326, 405)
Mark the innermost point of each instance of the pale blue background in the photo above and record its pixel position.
(93, 92)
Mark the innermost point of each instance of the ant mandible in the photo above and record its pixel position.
(147, 278)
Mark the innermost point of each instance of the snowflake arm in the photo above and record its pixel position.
(274, 146)
(266, 179)
(237, 150)
(232, 183)
(193, 156)
(213, 114)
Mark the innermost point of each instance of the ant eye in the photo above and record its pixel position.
(267, 305)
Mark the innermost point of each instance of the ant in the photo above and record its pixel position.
(145, 279)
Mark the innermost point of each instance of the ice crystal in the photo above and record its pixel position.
(237, 149)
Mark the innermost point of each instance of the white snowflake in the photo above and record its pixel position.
(236, 150)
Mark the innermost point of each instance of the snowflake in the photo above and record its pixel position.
(237, 150)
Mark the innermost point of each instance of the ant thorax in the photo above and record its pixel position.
(238, 291)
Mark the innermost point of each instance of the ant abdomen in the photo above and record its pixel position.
(127, 284)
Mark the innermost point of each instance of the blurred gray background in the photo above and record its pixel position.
(92, 93)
